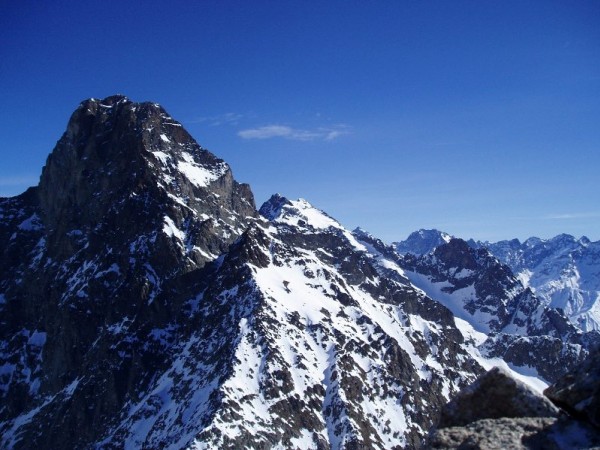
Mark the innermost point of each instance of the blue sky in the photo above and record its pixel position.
(480, 118)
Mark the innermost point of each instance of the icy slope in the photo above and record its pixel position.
(352, 359)
(298, 342)
(562, 271)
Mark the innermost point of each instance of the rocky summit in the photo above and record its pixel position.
(146, 303)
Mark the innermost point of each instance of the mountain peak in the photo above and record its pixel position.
(422, 241)
(298, 213)
(120, 160)
(272, 207)
(110, 100)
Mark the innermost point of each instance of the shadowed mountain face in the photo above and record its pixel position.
(145, 303)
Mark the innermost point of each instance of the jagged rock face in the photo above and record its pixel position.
(121, 162)
(129, 209)
(313, 349)
(562, 271)
(524, 433)
(483, 291)
(551, 357)
(522, 329)
(341, 356)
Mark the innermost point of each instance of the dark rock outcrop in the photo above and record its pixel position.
(562, 271)
(578, 392)
(522, 329)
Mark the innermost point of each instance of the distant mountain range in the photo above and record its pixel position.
(562, 271)
(145, 302)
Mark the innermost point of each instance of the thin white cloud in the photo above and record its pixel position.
(587, 215)
(229, 118)
(295, 134)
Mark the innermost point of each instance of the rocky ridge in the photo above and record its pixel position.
(128, 212)
(421, 242)
(505, 319)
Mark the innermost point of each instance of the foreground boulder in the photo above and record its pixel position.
(499, 412)
(494, 395)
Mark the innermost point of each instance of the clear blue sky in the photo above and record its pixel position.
(480, 118)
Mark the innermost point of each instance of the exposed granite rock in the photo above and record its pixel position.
(486, 292)
(493, 395)
(497, 434)
(530, 433)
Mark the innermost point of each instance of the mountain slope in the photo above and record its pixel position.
(498, 316)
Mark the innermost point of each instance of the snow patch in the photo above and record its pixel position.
(170, 229)
(199, 175)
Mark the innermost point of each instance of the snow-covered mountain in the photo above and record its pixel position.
(479, 289)
(146, 303)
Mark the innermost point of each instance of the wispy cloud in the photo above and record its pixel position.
(586, 215)
(295, 134)
(229, 118)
